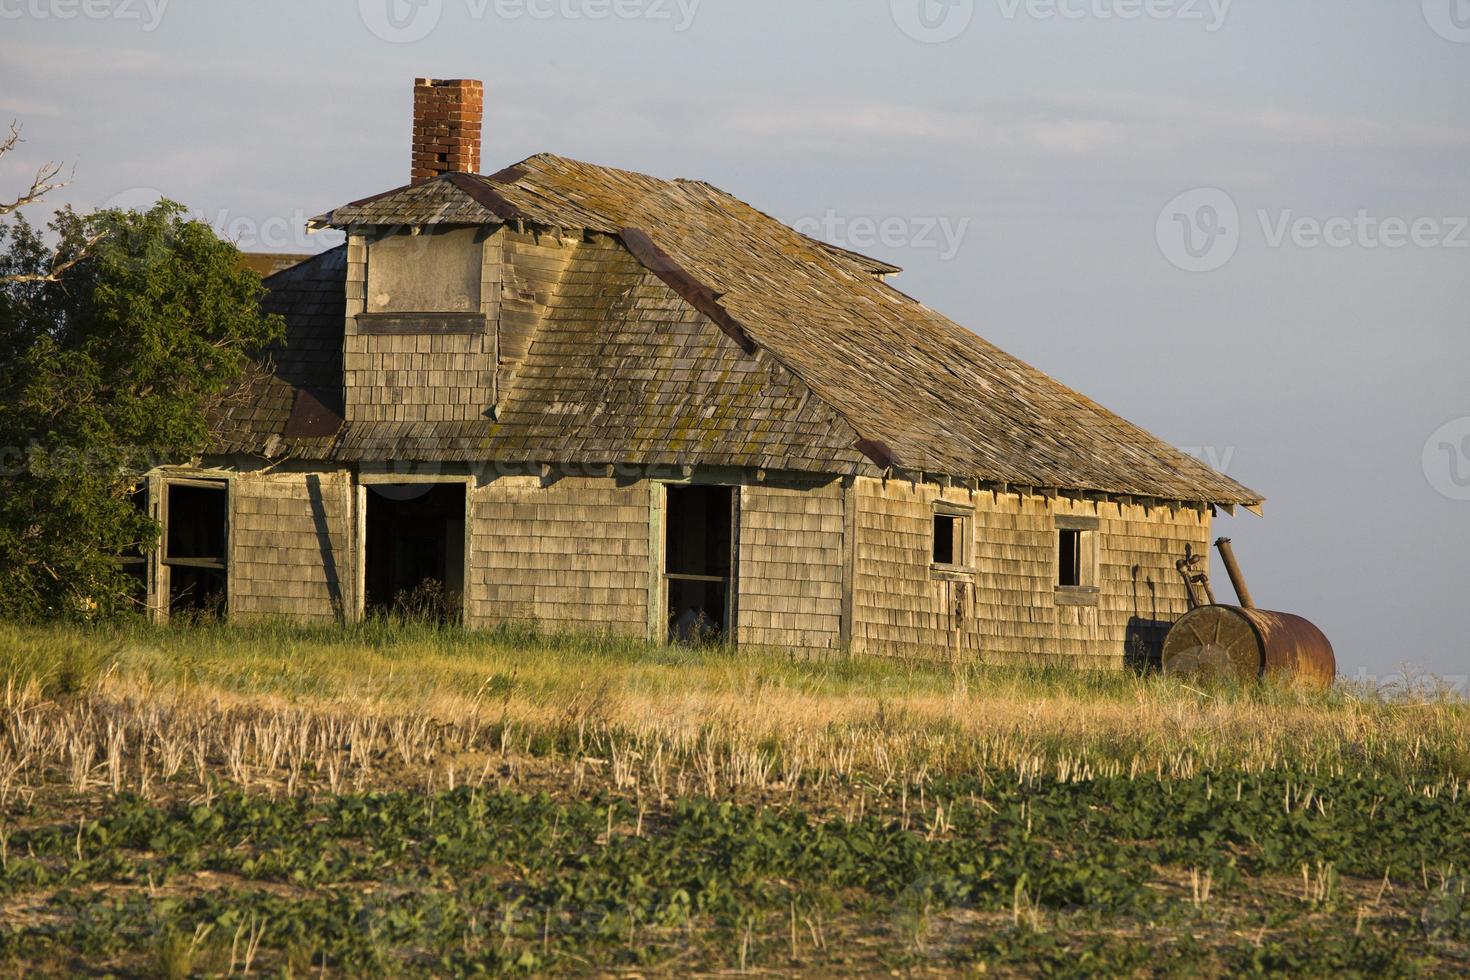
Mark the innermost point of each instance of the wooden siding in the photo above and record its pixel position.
(578, 554)
(526, 270)
(790, 571)
(1006, 606)
(416, 377)
(569, 556)
(290, 554)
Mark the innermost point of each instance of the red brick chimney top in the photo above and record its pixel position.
(447, 116)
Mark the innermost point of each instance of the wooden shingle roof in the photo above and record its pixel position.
(904, 386)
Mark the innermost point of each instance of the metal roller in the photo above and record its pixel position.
(1244, 643)
(1231, 642)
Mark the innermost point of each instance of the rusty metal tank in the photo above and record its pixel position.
(1244, 643)
(1231, 642)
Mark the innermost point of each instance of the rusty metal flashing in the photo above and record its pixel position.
(485, 196)
(507, 176)
(677, 278)
(878, 451)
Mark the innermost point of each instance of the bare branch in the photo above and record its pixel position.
(40, 187)
(45, 180)
(58, 268)
(44, 183)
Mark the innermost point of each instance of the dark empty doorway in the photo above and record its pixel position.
(195, 547)
(697, 563)
(415, 550)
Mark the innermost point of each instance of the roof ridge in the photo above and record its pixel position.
(869, 262)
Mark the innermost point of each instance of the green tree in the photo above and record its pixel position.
(116, 344)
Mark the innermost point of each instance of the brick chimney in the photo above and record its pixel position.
(447, 114)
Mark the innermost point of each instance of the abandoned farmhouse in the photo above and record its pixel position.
(593, 400)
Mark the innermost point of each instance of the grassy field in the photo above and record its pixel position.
(408, 800)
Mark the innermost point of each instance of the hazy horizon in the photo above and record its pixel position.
(1240, 226)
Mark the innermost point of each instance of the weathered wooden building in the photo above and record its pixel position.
(595, 400)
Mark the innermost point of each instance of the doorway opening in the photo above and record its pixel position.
(195, 548)
(698, 565)
(414, 552)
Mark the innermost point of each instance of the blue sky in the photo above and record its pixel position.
(1042, 174)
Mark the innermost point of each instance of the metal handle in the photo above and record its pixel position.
(1232, 568)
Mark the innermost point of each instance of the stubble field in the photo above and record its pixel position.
(405, 800)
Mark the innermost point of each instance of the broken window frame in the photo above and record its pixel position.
(168, 563)
(962, 537)
(1081, 586)
(659, 625)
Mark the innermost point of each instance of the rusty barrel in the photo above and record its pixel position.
(1248, 644)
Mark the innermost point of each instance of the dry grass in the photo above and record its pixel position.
(193, 715)
(285, 710)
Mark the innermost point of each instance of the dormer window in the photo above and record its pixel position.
(435, 272)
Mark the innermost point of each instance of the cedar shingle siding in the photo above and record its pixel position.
(627, 334)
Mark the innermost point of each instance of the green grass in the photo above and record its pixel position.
(403, 799)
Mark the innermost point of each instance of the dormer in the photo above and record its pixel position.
(446, 286)
(422, 300)
(422, 320)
